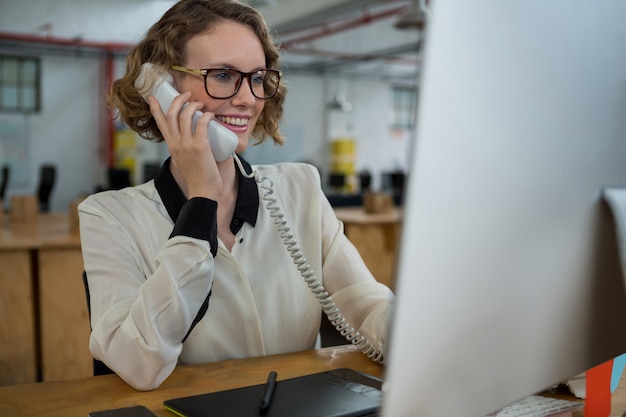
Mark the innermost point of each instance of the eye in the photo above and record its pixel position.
(258, 78)
(223, 75)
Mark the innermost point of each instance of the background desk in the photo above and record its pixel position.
(375, 237)
(44, 330)
(80, 396)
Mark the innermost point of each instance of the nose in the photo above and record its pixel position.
(244, 95)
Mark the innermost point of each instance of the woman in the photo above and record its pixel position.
(191, 267)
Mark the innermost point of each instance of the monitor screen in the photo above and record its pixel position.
(509, 274)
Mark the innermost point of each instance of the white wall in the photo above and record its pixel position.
(310, 126)
(66, 133)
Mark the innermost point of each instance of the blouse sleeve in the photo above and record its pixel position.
(139, 321)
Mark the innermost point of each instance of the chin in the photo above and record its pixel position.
(242, 146)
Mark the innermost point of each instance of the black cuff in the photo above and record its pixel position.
(198, 219)
(199, 316)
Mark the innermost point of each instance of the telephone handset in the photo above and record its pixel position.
(159, 84)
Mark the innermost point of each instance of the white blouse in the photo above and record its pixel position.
(149, 276)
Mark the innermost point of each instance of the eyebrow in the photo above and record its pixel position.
(233, 67)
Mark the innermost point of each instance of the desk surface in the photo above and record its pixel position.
(360, 216)
(78, 397)
(49, 230)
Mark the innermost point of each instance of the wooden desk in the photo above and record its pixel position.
(375, 237)
(78, 397)
(18, 347)
(44, 330)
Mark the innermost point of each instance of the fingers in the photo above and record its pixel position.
(171, 121)
(190, 150)
(157, 113)
(202, 125)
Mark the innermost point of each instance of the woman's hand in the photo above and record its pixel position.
(192, 160)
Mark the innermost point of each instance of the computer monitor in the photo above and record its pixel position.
(509, 276)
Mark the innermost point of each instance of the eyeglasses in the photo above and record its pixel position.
(222, 83)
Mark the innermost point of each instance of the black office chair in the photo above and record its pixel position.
(4, 181)
(150, 170)
(329, 335)
(99, 368)
(118, 178)
(47, 176)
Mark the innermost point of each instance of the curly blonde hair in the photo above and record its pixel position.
(164, 46)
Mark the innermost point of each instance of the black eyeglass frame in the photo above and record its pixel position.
(205, 72)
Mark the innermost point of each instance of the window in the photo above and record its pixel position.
(19, 84)
(403, 102)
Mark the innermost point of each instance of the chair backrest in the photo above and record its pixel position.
(4, 181)
(118, 178)
(47, 176)
(329, 335)
(99, 368)
(150, 170)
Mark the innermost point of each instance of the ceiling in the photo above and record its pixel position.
(346, 37)
(341, 38)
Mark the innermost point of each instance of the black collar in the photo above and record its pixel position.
(246, 206)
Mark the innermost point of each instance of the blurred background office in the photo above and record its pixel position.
(351, 68)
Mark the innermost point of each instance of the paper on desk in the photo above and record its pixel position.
(538, 406)
(577, 385)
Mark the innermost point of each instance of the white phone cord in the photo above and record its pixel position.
(328, 305)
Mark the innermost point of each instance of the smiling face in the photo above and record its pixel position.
(226, 45)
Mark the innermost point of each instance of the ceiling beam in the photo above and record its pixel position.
(292, 16)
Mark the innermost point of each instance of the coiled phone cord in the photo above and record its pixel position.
(313, 282)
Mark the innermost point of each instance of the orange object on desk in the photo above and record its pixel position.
(598, 390)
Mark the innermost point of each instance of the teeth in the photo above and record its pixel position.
(236, 121)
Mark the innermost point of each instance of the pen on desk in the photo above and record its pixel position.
(268, 392)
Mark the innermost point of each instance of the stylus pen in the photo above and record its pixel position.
(268, 392)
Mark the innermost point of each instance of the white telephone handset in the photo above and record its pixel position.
(159, 84)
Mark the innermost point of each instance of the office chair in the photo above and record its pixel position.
(47, 176)
(99, 368)
(329, 335)
(4, 181)
(150, 170)
(118, 178)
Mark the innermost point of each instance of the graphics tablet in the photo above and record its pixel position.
(337, 393)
